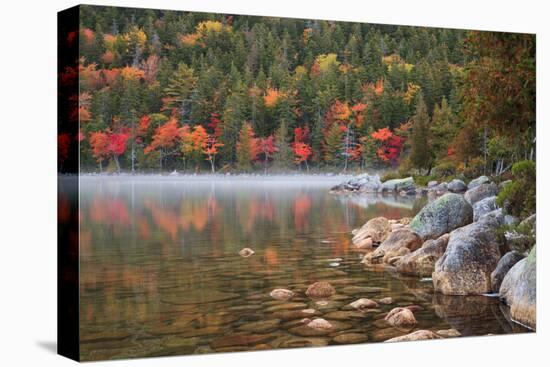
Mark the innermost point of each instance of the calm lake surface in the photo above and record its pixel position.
(160, 272)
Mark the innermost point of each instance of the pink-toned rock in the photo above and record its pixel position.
(417, 335)
(376, 228)
(320, 324)
(320, 290)
(401, 317)
(365, 243)
(363, 303)
(281, 294)
(246, 252)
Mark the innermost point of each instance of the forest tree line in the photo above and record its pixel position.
(164, 90)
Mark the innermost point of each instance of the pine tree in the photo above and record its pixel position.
(283, 157)
(443, 128)
(177, 93)
(333, 145)
(421, 153)
(368, 151)
(246, 148)
(235, 112)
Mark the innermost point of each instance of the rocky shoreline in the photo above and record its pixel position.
(454, 240)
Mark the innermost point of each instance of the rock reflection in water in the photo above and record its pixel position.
(474, 315)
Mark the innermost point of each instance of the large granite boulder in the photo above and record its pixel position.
(441, 216)
(422, 261)
(504, 265)
(364, 183)
(496, 214)
(471, 256)
(457, 186)
(480, 192)
(519, 290)
(479, 181)
(399, 184)
(376, 229)
(400, 242)
(484, 206)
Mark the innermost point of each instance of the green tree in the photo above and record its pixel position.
(443, 128)
(178, 92)
(421, 153)
(333, 145)
(246, 148)
(283, 157)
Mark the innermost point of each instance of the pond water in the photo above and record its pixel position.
(160, 272)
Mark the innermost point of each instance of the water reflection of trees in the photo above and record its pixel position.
(138, 241)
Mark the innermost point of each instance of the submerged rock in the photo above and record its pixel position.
(319, 328)
(286, 306)
(401, 317)
(519, 290)
(480, 192)
(246, 252)
(400, 242)
(441, 216)
(417, 335)
(281, 294)
(386, 301)
(484, 206)
(320, 324)
(240, 340)
(471, 256)
(422, 261)
(262, 326)
(504, 265)
(298, 342)
(449, 333)
(350, 338)
(320, 290)
(363, 303)
(344, 315)
(287, 315)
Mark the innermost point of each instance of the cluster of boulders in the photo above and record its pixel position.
(455, 240)
(310, 322)
(366, 183)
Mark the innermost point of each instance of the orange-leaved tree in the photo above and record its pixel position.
(165, 139)
(99, 141)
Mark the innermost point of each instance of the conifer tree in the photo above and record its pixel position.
(333, 145)
(246, 148)
(283, 157)
(421, 153)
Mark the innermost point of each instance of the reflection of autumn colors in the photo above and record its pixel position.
(302, 206)
(109, 211)
(149, 251)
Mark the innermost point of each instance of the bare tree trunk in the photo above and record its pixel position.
(211, 158)
(115, 158)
